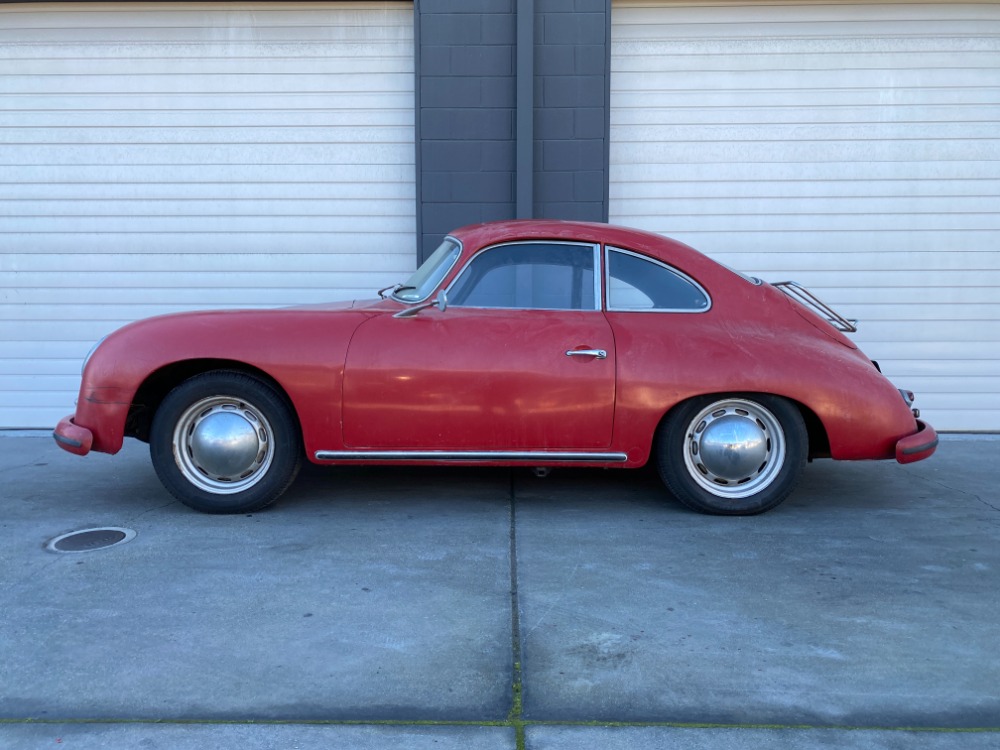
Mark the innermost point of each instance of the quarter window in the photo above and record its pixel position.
(639, 283)
(529, 275)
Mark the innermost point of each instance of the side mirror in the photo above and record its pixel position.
(441, 302)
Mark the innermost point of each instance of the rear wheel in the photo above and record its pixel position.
(225, 442)
(734, 455)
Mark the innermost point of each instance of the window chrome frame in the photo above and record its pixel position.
(608, 249)
(595, 249)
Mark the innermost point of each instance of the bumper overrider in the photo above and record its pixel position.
(73, 438)
(918, 446)
(104, 411)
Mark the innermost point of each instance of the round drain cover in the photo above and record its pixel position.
(89, 540)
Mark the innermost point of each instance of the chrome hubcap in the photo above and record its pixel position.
(223, 445)
(734, 448)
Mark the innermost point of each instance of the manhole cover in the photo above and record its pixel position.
(89, 540)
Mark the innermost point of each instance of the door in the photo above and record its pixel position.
(522, 359)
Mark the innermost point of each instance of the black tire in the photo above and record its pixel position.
(700, 465)
(225, 442)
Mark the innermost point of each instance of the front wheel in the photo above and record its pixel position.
(225, 442)
(737, 455)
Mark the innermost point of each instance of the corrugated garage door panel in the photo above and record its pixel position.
(158, 157)
(852, 147)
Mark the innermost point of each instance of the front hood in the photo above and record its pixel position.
(213, 332)
(343, 305)
(357, 305)
(255, 315)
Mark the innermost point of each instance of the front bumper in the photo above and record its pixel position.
(918, 446)
(73, 438)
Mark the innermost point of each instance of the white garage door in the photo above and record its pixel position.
(852, 147)
(158, 157)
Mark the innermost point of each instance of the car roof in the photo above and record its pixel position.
(476, 236)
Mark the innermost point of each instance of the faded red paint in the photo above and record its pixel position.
(475, 379)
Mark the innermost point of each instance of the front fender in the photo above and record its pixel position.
(301, 350)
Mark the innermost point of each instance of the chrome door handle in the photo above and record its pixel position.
(596, 353)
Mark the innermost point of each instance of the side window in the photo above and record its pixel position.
(528, 275)
(638, 283)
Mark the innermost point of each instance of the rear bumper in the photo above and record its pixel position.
(73, 438)
(918, 446)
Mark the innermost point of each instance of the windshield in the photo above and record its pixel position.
(426, 278)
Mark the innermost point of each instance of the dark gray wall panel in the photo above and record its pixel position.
(571, 109)
(467, 128)
(465, 118)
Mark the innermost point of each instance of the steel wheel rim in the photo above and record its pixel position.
(734, 448)
(223, 445)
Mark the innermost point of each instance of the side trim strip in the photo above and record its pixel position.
(529, 456)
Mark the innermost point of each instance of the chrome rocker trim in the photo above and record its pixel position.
(527, 456)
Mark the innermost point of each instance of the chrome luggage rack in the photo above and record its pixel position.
(807, 299)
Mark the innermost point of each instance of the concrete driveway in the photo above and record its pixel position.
(487, 609)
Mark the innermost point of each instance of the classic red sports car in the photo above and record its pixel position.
(520, 343)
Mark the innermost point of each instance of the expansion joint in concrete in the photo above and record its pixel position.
(516, 715)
